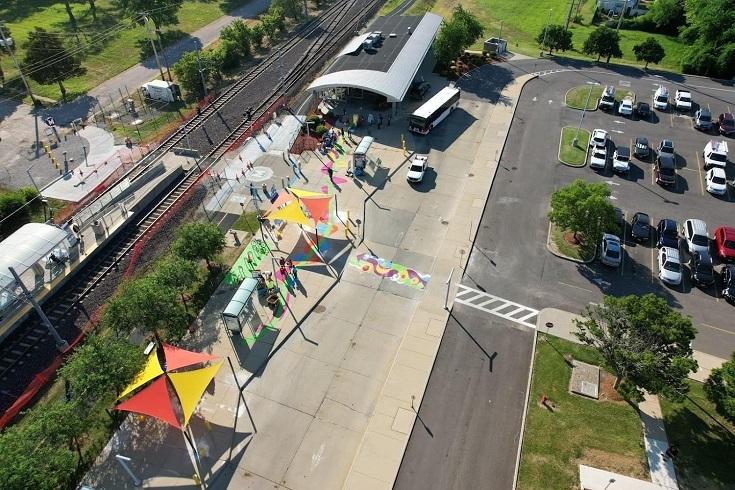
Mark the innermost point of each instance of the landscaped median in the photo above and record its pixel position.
(571, 153)
(569, 430)
(577, 97)
(563, 243)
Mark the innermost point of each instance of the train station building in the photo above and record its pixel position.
(382, 62)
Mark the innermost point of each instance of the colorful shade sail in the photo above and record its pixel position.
(290, 213)
(301, 193)
(177, 358)
(282, 199)
(318, 207)
(151, 370)
(153, 400)
(190, 386)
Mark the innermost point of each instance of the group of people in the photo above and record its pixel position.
(287, 268)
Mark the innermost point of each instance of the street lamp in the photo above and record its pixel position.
(546, 29)
(84, 149)
(584, 111)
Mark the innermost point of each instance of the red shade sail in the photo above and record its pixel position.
(153, 400)
(177, 358)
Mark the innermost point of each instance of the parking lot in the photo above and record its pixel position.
(532, 176)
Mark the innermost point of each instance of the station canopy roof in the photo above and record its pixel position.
(389, 69)
(26, 246)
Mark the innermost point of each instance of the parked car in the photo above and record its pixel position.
(669, 266)
(598, 157)
(641, 148)
(666, 146)
(703, 119)
(703, 273)
(607, 99)
(598, 138)
(665, 169)
(640, 227)
(626, 107)
(694, 232)
(661, 98)
(642, 109)
(611, 253)
(418, 89)
(683, 100)
(725, 243)
(728, 283)
(726, 124)
(716, 181)
(715, 154)
(667, 233)
(417, 169)
(621, 159)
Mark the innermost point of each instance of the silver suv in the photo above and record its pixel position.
(695, 235)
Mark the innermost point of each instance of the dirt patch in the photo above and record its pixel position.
(607, 391)
(571, 239)
(618, 463)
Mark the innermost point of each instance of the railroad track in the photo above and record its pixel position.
(20, 354)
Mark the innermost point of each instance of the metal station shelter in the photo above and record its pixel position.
(240, 311)
(382, 61)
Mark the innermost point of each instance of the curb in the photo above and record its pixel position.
(562, 256)
(586, 154)
(525, 406)
(577, 108)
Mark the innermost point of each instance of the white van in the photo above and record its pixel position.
(607, 99)
(715, 154)
(661, 98)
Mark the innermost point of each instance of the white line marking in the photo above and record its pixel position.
(462, 289)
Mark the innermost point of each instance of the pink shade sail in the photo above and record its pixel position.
(177, 358)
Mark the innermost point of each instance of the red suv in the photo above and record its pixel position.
(726, 124)
(725, 242)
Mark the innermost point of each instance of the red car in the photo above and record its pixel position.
(726, 124)
(725, 242)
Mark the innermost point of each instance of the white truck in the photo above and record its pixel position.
(715, 154)
(160, 90)
(683, 100)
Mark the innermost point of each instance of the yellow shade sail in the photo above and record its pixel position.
(190, 386)
(290, 213)
(303, 193)
(151, 370)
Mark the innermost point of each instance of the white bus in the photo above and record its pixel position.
(434, 110)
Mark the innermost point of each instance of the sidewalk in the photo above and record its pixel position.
(135, 76)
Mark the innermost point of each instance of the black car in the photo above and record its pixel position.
(418, 89)
(640, 227)
(641, 149)
(665, 169)
(728, 283)
(666, 146)
(642, 109)
(668, 235)
(703, 274)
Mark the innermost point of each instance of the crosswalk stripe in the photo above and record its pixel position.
(464, 298)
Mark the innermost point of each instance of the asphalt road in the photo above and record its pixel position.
(468, 430)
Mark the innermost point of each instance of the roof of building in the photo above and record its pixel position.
(26, 246)
(389, 69)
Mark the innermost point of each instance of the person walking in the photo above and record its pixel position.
(330, 172)
(389, 116)
(291, 269)
(265, 191)
(380, 121)
(254, 192)
(370, 119)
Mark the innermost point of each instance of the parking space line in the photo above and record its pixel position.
(699, 169)
(622, 243)
(671, 117)
(575, 287)
(717, 328)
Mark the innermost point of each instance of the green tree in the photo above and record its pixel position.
(583, 208)
(603, 41)
(644, 341)
(93, 8)
(720, 389)
(726, 62)
(291, 8)
(199, 241)
(555, 37)
(161, 12)
(649, 51)
(239, 34)
(257, 34)
(270, 25)
(667, 15)
(70, 13)
(102, 366)
(48, 61)
(177, 273)
(187, 74)
(456, 35)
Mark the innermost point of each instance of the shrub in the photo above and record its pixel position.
(320, 130)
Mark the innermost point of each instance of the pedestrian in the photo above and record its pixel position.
(282, 262)
(265, 191)
(254, 192)
(380, 121)
(370, 119)
(389, 116)
(330, 172)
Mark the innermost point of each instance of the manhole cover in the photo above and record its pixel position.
(320, 309)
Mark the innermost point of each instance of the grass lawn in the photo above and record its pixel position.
(111, 43)
(523, 21)
(705, 440)
(603, 434)
(570, 153)
(577, 252)
(389, 6)
(247, 221)
(577, 96)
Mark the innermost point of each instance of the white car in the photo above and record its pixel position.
(621, 159)
(695, 235)
(417, 169)
(598, 157)
(669, 265)
(626, 107)
(683, 100)
(611, 253)
(716, 181)
(599, 138)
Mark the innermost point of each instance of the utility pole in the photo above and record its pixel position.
(201, 73)
(546, 29)
(622, 14)
(6, 44)
(153, 44)
(163, 54)
(569, 15)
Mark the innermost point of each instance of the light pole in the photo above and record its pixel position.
(622, 14)
(28, 171)
(84, 149)
(6, 44)
(546, 30)
(584, 111)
